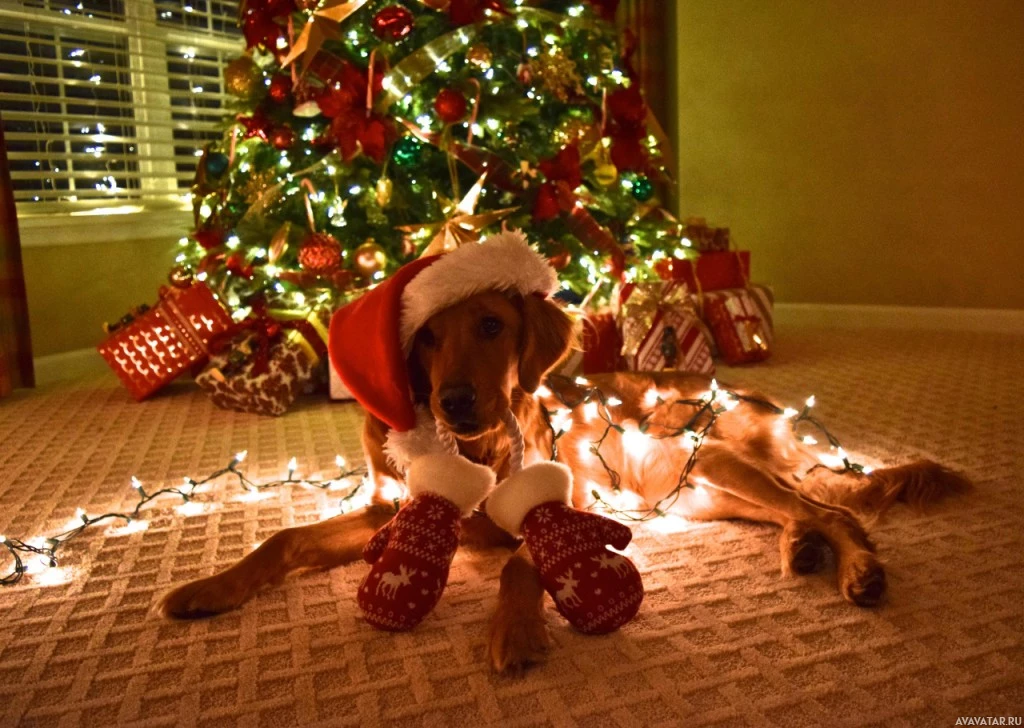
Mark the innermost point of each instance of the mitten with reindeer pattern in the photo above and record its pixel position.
(412, 553)
(594, 588)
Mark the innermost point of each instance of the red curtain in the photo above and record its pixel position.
(15, 343)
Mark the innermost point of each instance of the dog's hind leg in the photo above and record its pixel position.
(860, 575)
(801, 548)
(322, 545)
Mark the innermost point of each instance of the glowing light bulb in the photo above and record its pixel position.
(789, 412)
(543, 391)
(841, 453)
(651, 397)
(730, 404)
(635, 442)
(340, 461)
(808, 440)
(293, 464)
(590, 411)
(714, 385)
(240, 456)
(3, 539)
(810, 401)
(136, 483)
(867, 470)
(80, 514)
(614, 401)
(582, 381)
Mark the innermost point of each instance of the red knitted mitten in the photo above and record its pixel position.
(411, 554)
(594, 588)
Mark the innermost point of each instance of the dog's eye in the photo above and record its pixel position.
(490, 326)
(426, 337)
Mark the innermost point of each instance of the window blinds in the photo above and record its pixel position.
(108, 101)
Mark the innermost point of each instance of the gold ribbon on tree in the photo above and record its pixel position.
(463, 226)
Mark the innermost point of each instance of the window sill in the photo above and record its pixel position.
(107, 226)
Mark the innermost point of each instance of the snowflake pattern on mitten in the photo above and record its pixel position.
(594, 588)
(411, 556)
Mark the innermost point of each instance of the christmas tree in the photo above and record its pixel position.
(371, 132)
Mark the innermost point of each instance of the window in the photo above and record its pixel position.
(105, 102)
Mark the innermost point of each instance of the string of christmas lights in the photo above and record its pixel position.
(707, 409)
(45, 550)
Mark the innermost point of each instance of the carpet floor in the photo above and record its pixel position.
(721, 639)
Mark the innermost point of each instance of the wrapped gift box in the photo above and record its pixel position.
(741, 323)
(709, 271)
(661, 330)
(599, 349)
(267, 366)
(163, 342)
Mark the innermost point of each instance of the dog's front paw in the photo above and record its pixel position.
(202, 598)
(862, 579)
(518, 641)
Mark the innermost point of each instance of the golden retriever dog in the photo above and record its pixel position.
(474, 360)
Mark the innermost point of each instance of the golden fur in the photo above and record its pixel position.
(747, 468)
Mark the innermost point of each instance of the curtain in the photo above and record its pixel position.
(15, 343)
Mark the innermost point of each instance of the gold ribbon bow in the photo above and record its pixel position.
(637, 314)
(463, 226)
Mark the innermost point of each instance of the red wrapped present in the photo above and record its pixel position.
(710, 271)
(600, 343)
(661, 330)
(705, 238)
(268, 365)
(741, 322)
(149, 350)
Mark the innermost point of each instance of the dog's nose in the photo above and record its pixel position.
(457, 400)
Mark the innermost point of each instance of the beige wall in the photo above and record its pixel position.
(866, 152)
(73, 289)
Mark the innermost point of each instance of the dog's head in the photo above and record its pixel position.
(467, 359)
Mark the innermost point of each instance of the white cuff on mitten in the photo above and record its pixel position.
(451, 476)
(508, 504)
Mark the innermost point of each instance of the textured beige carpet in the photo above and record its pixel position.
(721, 639)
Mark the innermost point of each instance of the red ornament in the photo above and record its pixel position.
(280, 88)
(235, 263)
(320, 253)
(392, 23)
(450, 105)
(282, 137)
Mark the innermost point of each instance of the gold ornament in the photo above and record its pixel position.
(370, 258)
(606, 174)
(480, 55)
(279, 243)
(577, 131)
(384, 188)
(257, 184)
(241, 77)
(557, 74)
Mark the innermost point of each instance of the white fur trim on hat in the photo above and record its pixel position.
(450, 476)
(503, 262)
(508, 504)
(401, 448)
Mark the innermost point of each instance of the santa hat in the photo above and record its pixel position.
(372, 337)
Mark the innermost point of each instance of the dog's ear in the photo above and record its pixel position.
(546, 336)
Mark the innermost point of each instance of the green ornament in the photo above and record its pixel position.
(406, 151)
(642, 189)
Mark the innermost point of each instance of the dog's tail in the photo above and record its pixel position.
(918, 484)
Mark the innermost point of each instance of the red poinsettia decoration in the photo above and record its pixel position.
(209, 237)
(263, 21)
(628, 127)
(353, 129)
(563, 175)
(467, 12)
